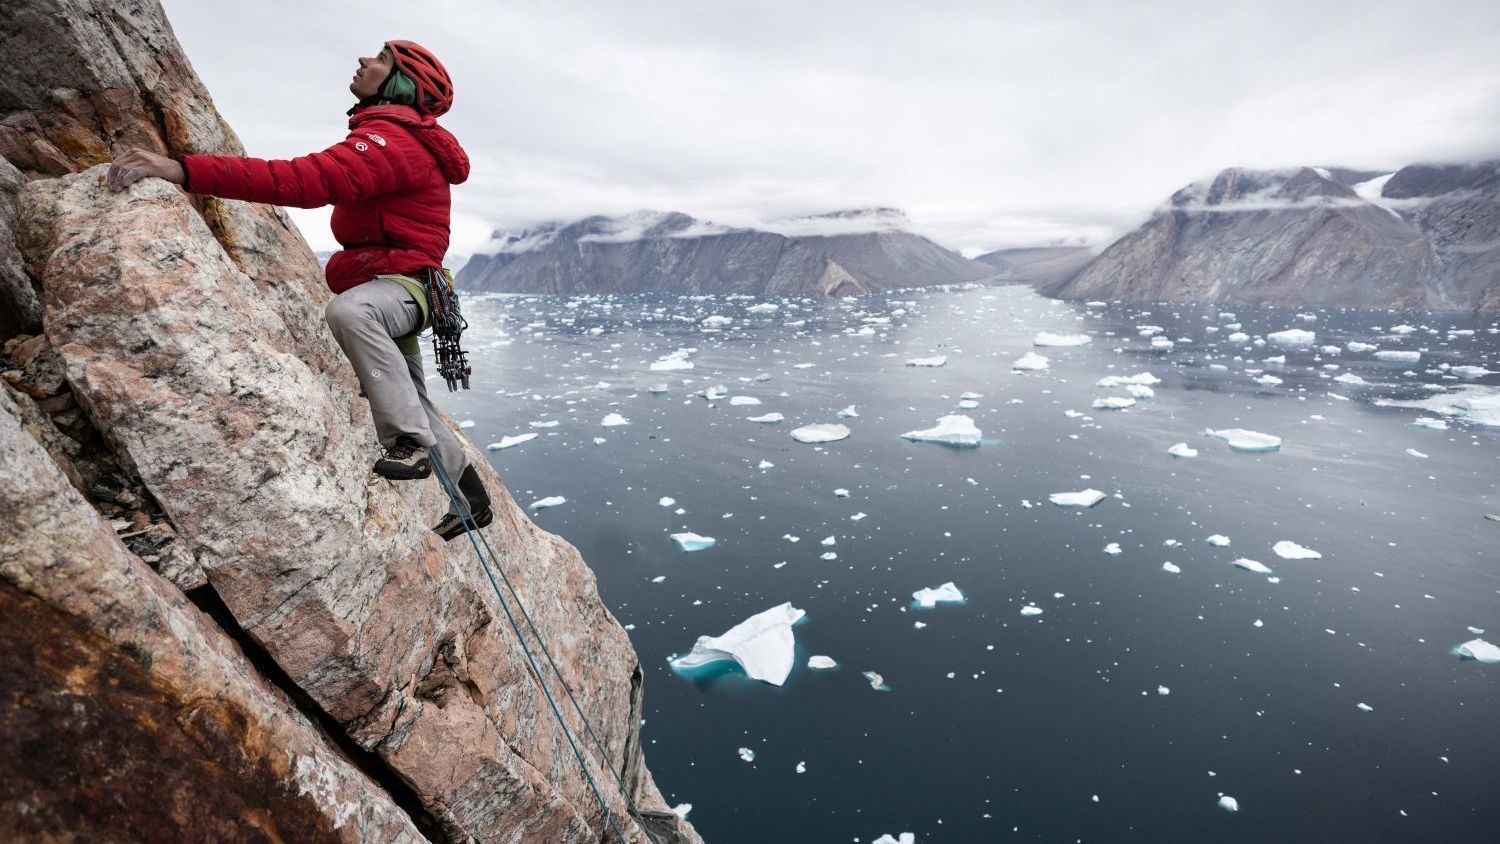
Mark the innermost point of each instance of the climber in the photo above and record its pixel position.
(388, 182)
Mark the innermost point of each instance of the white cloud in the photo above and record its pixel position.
(989, 124)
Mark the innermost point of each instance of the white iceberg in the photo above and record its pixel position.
(762, 645)
(877, 682)
(1475, 404)
(747, 754)
(1086, 498)
(1251, 566)
(937, 360)
(767, 417)
(956, 430)
(1112, 548)
(929, 598)
(1470, 372)
(692, 541)
(549, 501)
(743, 401)
(1047, 338)
(1144, 379)
(1478, 650)
(1218, 540)
(613, 420)
(1229, 804)
(1030, 362)
(1292, 337)
(1430, 423)
(905, 838)
(1171, 568)
(1289, 550)
(1356, 346)
(1182, 450)
(511, 442)
(1399, 356)
(1241, 439)
(763, 308)
(1113, 403)
(825, 432)
(818, 662)
(1031, 610)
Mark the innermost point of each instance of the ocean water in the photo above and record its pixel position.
(1326, 698)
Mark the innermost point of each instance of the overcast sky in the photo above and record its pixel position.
(990, 124)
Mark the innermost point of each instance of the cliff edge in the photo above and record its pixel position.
(218, 624)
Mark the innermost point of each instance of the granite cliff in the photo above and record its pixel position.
(844, 253)
(1426, 236)
(217, 624)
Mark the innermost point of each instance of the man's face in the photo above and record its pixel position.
(372, 72)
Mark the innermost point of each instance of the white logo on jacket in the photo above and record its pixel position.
(376, 138)
(361, 146)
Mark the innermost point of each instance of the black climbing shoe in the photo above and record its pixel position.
(404, 461)
(473, 489)
(452, 527)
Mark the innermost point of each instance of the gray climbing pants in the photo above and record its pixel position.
(365, 321)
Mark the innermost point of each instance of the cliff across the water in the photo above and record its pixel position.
(846, 253)
(1425, 236)
(217, 624)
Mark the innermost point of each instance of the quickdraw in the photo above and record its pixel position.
(448, 326)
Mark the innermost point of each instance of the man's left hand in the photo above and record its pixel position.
(137, 164)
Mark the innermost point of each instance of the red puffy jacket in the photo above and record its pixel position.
(388, 183)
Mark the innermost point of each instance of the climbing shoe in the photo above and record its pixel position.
(404, 461)
(452, 527)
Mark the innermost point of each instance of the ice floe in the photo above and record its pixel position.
(1241, 439)
(936, 360)
(1475, 404)
(929, 598)
(1218, 540)
(511, 442)
(1047, 338)
(877, 682)
(549, 501)
(1030, 362)
(1112, 548)
(1182, 450)
(1228, 804)
(747, 754)
(614, 420)
(762, 645)
(1399, 356)
(1171, 568)
(692, 542)
(823, 432)
(903, 838)
(957, 430)
(1478, 650)
(1030, 610)
(767, 417)
(818, 662)
(1085, 498)
(1144, 379)
(1251, 566)
(1113, 403)
(1292, 337)
(1289, 550)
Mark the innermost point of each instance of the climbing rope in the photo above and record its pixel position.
(471, 530)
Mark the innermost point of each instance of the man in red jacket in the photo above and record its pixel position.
(388, 182)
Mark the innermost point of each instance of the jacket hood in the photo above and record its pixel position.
(445, 149)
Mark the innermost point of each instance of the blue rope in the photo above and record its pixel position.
(470, 530)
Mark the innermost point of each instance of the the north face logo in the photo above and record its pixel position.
(376, 138)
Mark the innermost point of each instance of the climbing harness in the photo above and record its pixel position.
(448, 325)
(472, 531)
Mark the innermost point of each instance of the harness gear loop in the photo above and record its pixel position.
(448, 326)
(471, 531)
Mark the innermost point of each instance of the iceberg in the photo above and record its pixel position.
(1030, 362)
(767, 417)
(877, 682)
(1356, 346)
(763, 308)
(549, 501)
(937, 360)
(509, 442)
(747, 754)
(762, 645)
(1475, 404)
(1251, 566)
(1218, 540)
(1229, 804)
(1171, 568)
(692, 541)
(905, 838)
(1289, 550)
(1399, 356)
(1470, 372)
(1182, 450)
(1292, 337)
(818, 662)
(947, 593)
(1031, 610)
(1478, 650)
(1113, 403)
(826, 432)
(1241, 439)
(1351, 379)
(1047, 338)
(1086, 498)
(958, 430)
(613, 420)
(743, 401)
(1112, 548)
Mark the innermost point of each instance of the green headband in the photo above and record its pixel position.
(398, 88)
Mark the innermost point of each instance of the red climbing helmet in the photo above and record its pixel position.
(434, 86)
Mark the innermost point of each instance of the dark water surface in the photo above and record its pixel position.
(999, 726)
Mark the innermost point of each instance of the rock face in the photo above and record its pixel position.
(1045, 268)
(844, 253)
(1426, 237)
(293, 655)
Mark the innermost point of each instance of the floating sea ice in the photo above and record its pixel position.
(905, 838)
(1365, 707)
(1289, 550)
(957, 430)
(1351, 379)
(1112, 548)
(801, 767)
(1086, 498)
(1268, 380)
(1238, 337)
(1047, 338)
(947, 593)
(657, 388)
(767, 417)
(968, 404)
(692, 541)
(509, 442)
(763, 308)
(1030, 362)
(747, 754)
(1140, 391)
(714, 393)
(828, 555)
(1163, 690)
(1399, 356)
(1477, 405)
(600, 441)
(1414, 453)
(820, 433)
(877, 682)
(1241, 439)
(614, 419)
(1356, 346)
(1218, 540)
(765, 464)
(847, 412)
(549, 501)
(969, 394)
(467, 423)
(1182, 450)
(671, 363)
(841, 492)
(1229, 804)
(936, 360)
(742, 401)
(762, 645)
(550, 423)
(1030, 610)
(1470, 372)
(715, 321)
(1403, 329)
(681, 810)
(1171, 568)
(1251, 566)
(818, 662)
(1292, 337)
(1161, 344)
(1113, 403)
(829, 540)
(1478, 650)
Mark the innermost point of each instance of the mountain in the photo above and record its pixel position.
(217, 625)
(836, 254)
(1425, 236)
(1043, 267)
